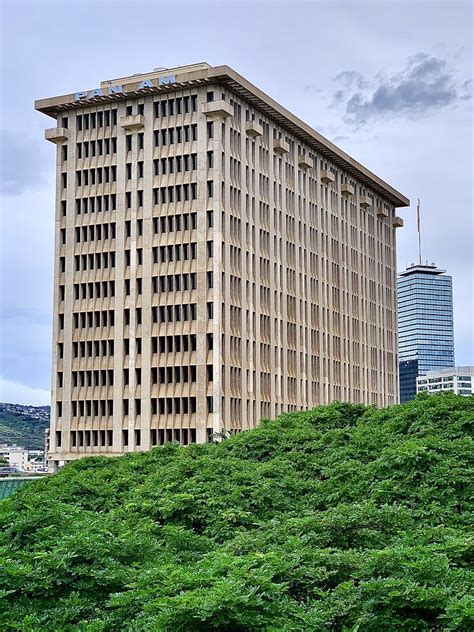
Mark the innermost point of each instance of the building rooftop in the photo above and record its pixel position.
(452, 371)
(425, 269)
(168, 79)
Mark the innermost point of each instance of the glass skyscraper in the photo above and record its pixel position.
(425, 324)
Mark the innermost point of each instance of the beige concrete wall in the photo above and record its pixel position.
(303, 280)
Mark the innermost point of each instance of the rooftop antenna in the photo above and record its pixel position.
(418, 227)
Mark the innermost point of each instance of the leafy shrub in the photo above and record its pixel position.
(339, 518)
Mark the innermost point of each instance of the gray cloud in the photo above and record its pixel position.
(425, 84)
(351, 79)
(22, 163)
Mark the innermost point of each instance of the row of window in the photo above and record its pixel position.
(96, 119)
(173, 374)
(98, 175)
(163, 224)
(174, 164)
(104, 438)
(100, 147)
(180, 105)
(92, 408)
(174, 313)
(159, 375)
(446, 379)
(177, 193)
(172, 405)
(95, 204)
(173, 344)
(92, 261)
(94, 232)
(174, 223)
(100, 318)
(90, 349)
(174, 252)
(88, 438)
(95, 289)
(173, 135)
(174, 282)
(103, 377)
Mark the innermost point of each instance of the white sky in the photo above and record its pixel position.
(403, 108)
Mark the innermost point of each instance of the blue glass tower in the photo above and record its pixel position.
(425, 324)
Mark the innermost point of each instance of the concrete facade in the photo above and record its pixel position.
(217, 261)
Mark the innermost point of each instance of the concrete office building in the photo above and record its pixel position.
(459, 380)
(425, 324)
(217, 261)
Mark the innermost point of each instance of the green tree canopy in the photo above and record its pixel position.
(339, 518)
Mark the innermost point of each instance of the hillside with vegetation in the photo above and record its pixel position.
(339, 518)
(23, 425)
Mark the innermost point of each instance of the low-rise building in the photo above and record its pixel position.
(24, 460)
(16, 456)
(459, 380)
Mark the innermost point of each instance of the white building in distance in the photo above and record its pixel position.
(459, 380)
(15, 455)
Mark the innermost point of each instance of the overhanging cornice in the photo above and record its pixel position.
(239, 85)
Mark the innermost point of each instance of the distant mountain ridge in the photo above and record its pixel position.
(24, 425)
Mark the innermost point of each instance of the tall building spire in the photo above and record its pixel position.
(418, 227)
